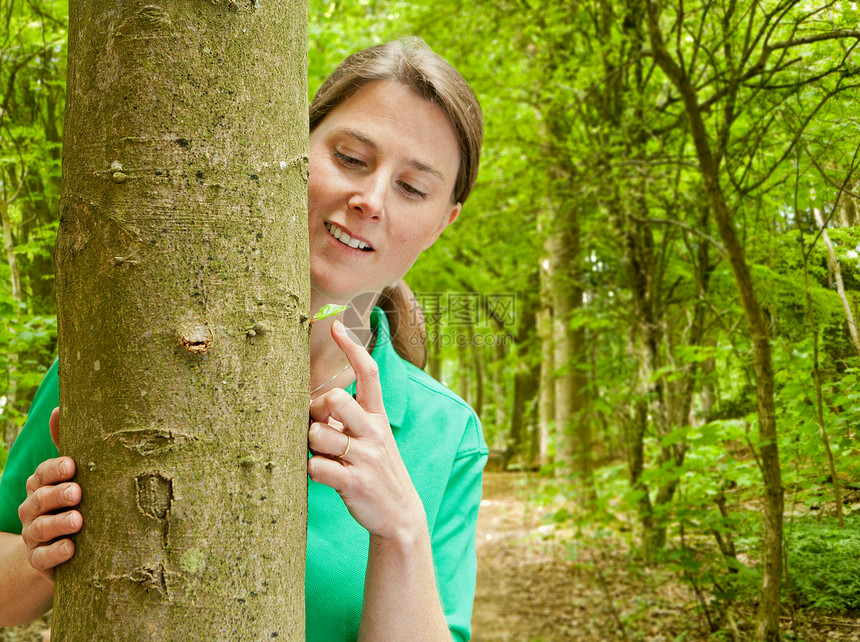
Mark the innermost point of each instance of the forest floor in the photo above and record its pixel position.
(535, 586)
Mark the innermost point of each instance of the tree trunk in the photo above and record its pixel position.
(837, 275)
(434, 349)
(767, 621)
(544, 323)
(464, 370)
(479, 370)
(10, 424)
(574, 449)
(9, 245)
(183, 294)
(816, 371)
(525, 387)
(846, 208)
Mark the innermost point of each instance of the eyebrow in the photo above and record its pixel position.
(416, 164)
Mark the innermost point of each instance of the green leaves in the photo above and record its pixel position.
(329, 310)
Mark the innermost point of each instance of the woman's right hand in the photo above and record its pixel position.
(47, 515)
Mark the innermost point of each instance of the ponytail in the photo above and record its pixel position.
(406, 323)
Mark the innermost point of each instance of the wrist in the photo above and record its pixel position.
(408, 534)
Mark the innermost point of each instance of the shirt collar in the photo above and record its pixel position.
(392, 370)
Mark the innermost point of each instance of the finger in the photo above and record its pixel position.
(45, 558)
(330, 472)
(328, 441)
(51, 471)
(47, 528)
(48, 499)
(54, 425)
(337, 407)
(368, 389)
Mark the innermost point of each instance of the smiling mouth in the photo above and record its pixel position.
(346, 239)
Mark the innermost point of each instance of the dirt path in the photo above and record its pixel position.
(527, 589)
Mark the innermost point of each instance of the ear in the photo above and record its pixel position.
(449, 218)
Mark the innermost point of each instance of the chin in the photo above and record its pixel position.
(338, 293)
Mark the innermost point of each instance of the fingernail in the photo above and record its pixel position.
(63, 468)
(69, 521)
(352, 336)
(68, 494)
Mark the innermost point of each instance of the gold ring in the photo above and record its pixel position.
(345, 450)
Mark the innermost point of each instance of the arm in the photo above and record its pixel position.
(452, 560)
(25, 593)
(401, 601)
(400, 597)
(27, 561)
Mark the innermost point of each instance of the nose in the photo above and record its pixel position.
(368, 198)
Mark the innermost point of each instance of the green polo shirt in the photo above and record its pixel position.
(440, 441)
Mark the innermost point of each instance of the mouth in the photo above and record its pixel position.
(339, 234)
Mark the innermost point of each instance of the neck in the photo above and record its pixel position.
(327, 360)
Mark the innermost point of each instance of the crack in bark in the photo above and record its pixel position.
(154, 499)
(239, 5)
(151, 441)
(151, 577)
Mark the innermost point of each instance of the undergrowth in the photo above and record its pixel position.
(824, 564)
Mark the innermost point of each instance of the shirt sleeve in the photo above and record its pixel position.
(454, 534)
(31, 448)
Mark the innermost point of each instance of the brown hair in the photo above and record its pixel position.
(406, 322)
(413, 64)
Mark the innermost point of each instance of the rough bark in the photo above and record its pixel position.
(183, 290)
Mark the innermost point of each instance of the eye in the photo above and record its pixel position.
(411, 191)
(347, 161)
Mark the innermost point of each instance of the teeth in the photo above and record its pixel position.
(345, 238)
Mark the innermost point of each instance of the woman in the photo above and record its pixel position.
(396, 472)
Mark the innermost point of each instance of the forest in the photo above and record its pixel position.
(650, 299)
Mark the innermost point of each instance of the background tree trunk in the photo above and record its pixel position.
(837, 275)
(574, 448)
(767, 622)
(183, 291)
(10, 425)
(544, 325)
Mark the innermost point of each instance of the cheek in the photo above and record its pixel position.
(410, 243)
(320, 183)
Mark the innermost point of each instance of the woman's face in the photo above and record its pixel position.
(382, 170)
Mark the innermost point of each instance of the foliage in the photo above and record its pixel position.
(329, 310)
(824, 564)
(32, 99)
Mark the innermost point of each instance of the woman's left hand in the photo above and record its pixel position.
(355, 452)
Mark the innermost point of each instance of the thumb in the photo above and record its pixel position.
(54, 424)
